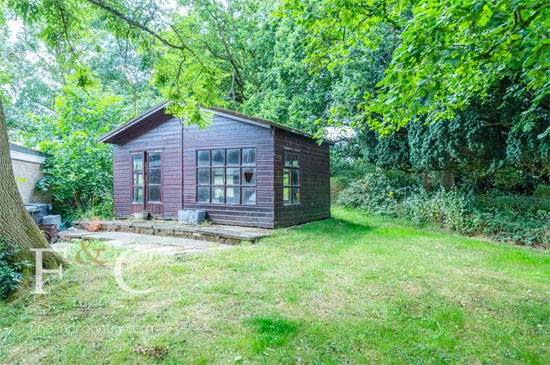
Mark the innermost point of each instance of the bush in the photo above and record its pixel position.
(542, 191)
(79, 171)
(11, 274)
(379, 192)
(504, 217)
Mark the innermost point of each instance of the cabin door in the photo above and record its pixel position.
(147, 189)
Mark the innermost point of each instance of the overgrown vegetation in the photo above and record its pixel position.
(11, 268)
(79, 171)
(499, 215)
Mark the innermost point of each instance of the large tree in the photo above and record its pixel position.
(445, 54)
(15, 223)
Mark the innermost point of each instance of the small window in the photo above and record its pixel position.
(154, 177)
(154, 193)
(295, 196)
(203, 158)
(249, 196)
(154, 160)
(217, 195)
(137, 162)
(203, 176)
(203, 194)
(232, 195)
(218, 157)
(249, 176)
(138, 195)
(291, 178)
(232, 176)
(233, 157)
(288, 158)
(295, 177)
(138, 178)
(286, 196)
(295, 160)
(249, 156)
(217, 176)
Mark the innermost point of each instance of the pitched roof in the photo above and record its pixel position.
(109, 137)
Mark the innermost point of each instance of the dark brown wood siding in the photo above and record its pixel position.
(225, 132)
(314, 160)
(179, 170)
(160, 133)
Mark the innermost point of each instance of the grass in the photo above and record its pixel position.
(352, 289)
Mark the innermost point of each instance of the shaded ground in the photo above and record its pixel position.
(353, 289)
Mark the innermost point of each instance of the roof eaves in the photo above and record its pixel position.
(106, 138)
(27, 150)
(265, 121)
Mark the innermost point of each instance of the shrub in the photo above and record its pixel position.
(79, 171)
(542, 191)
(10, 268)
(379, 192)
(501, 216)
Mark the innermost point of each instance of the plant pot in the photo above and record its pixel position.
(141, 215)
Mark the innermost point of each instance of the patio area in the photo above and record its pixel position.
(229, 235)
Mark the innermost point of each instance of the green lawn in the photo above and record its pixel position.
(347, 290)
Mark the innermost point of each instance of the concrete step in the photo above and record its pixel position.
(231, 235)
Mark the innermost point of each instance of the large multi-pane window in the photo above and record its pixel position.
(291, 178)
(226, 176)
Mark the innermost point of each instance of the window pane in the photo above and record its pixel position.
(154, 160)
(137, 162)
(203, 176)
(203, 158)
(295, 159)
(286, 177)
(288, 158)
(232, 195)
(249, 195)
(138, 178)
(295, 196)
(203, 194)
(218, 157)
(249, 156)
(217, 195)
(217, 176)
(232, 176)
(249, 176)
(286, 196)
(154, 194)
(233, 157)
(295, 177)
(154, 177)
(138, 195)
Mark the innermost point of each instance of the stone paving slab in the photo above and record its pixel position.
(142, 242)
(215, 233)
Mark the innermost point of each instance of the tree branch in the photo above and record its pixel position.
(135, 24)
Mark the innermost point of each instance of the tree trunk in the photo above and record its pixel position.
(15, 223)
(427, 181)
(448, 180)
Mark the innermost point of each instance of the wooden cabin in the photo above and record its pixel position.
(242, 170)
